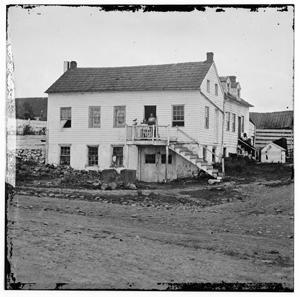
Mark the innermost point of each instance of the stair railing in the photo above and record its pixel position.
(250, 146)
(194, 141)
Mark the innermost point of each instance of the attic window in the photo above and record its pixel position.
(208, 86)
(239, 93)
(216, 90)
(65, 117)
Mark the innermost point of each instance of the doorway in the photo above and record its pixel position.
(148, 110)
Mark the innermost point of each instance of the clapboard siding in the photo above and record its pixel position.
(230, 137)
(79, 135)
(212, 76)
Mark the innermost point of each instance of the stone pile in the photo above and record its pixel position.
(32, 155)
(47, 175)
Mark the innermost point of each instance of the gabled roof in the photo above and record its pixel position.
(240, 101)
(180, 76)
(274, 144)
(273, 120)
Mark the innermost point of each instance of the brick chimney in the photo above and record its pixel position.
(73, 65)
(209, 57)
(69, 65)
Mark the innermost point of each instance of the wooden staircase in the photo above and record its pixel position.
(185, 152)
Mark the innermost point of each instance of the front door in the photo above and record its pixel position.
(149, 109)
(239, 127)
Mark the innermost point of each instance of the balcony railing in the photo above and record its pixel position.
(150, 133)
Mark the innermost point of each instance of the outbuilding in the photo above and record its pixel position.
(273, 153)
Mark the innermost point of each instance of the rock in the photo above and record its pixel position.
(112, 185)
(131, 186)
(213, 181)
(96, 184)
(109, 175)
(104, 186)
(128, 176)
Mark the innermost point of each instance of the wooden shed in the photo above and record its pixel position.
(273, 153)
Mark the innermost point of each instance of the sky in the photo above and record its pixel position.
(257, 47)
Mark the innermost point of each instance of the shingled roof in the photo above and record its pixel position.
(240, 101)
(180, 76)
(273, 120)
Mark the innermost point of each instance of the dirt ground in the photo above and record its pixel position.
(151, 239)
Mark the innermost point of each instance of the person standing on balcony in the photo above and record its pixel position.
(152, 119)
(152, 123)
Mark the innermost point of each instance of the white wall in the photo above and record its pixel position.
(272, 154)
(79, 135)
(213, 77)
(230, 137)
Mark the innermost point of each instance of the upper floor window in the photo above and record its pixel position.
(119, 116)
(208, 86)
(94, 116)
(65, 155)
(206, 117)
(233, 122)
(93, 155)
(216, 90)
(178, 115)
(66, 117)
(227, 121)
(228, 87)
(239, 93)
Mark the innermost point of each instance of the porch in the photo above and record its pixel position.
(151, 134)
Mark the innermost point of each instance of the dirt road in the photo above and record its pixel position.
(69, 243)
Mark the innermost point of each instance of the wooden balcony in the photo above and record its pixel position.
(150, 134)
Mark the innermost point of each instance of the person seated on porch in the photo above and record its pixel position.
(151, 119)
(244, 137)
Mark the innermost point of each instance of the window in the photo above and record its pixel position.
(150, 158)
(228, 87)
(178, 115)
(117, 156)
(239, 93)
(242, 124)
(224, 152)
(206, 117)
(94, 116)
(216, 90)
(163, 159)
(227, 121)
(93, 155)
(213, 155)
(204, 153)
(233, 122)
(119, 116)
(208, 86)
(65, 117)
(65, 154)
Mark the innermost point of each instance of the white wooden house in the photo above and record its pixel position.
(273, 153)
(95, 116)
(236, 116)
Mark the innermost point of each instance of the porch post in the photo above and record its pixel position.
(167, 161)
